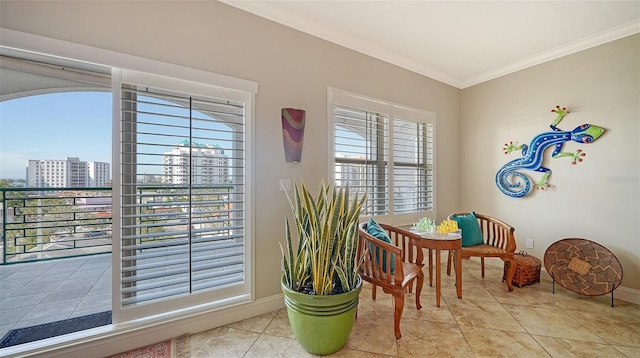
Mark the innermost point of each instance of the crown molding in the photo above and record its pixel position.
(585, 43)
(325, 32)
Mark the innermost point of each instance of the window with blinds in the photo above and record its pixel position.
(183, 198)
(362, 156)
(366, 133)
(412, 166)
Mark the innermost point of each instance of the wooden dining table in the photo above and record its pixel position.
(435, 242)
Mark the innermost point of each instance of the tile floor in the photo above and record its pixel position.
(49, 291)
(487, 322)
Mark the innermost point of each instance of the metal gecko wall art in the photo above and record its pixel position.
(510, 179)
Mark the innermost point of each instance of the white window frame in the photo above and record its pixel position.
(21, 41)
(212, 299)
(338, 97)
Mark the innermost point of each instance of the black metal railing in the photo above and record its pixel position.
(47, 223)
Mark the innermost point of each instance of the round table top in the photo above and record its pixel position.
(583, 266)
(436, 241)
(437, 236)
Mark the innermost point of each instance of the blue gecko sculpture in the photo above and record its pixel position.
(532, 156)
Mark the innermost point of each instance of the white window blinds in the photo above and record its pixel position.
(366, 133)
(362, 156)
(413, 166)
(183, 198)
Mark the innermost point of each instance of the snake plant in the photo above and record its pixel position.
(324, 260)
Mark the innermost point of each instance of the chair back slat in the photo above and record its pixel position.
(408, 241)
(496, 233)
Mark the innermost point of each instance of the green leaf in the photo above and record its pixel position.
(327, 235)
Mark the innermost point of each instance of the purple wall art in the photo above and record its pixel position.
(293, 133)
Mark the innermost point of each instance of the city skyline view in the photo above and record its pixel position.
(58, 126)
(53, 127)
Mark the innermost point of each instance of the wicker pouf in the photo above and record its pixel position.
(527, 269)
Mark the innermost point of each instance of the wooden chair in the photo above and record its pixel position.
(499, 242)
(404, 255)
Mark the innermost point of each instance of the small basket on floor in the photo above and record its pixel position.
(527, 269)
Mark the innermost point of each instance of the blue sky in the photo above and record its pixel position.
(54, 126)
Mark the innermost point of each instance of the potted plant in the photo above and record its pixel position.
(321, 284)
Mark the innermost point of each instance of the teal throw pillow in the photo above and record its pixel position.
(374, 229)
(471, 233)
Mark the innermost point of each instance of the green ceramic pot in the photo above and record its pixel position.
(321, 324)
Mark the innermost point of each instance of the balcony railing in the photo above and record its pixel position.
(47, 223)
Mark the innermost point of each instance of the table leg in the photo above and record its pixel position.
(437, 277)
(459, 273)
(430, 268)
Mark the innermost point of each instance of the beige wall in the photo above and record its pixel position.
(598, 199)
(292, 69)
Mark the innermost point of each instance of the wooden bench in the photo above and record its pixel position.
(394, 267)
(499, 242)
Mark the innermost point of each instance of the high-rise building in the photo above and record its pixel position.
(67, 173)
(209, 164)
(99, 174)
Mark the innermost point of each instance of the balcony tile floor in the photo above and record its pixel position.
(49, 291)
(488, 322)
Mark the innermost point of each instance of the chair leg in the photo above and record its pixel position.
(505, 269)
(449, 263)
(430, 267)
(373, 292)
(419, 284)
(510, 273)
(482, 265)
(398, 304)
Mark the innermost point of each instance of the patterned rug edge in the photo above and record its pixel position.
(165, 349)
(182, 346)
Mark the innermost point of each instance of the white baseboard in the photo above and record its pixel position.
(627, 294)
